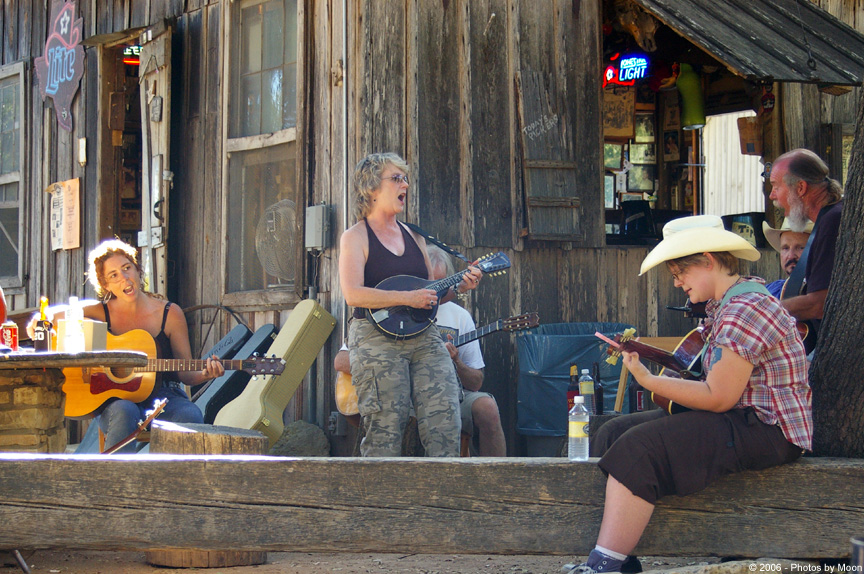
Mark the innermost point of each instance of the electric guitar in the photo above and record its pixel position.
(87, 388)
(346, 395)
(403, 322)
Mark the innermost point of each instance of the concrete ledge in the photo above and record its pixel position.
(502, 506)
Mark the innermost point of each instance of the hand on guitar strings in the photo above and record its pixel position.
(213, 368)
(423, 298)
(639, 371)
(470, 280)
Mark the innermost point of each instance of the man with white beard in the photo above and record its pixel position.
(801, 186)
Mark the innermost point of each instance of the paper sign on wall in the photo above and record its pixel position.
(65, 215)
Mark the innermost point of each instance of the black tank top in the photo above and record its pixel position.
(163, 345)
(383, 263)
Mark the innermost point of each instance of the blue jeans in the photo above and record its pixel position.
(119, 418)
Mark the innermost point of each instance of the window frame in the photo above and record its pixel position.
(15, 284)
(268, 298)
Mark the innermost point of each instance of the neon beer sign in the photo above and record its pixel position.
(626, 71)
(60, 69)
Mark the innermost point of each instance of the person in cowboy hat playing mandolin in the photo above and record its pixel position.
(751, 410)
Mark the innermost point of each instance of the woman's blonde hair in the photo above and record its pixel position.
(100, 254)
(367, 178)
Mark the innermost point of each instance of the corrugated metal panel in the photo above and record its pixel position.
(733, 182)
(765, 39)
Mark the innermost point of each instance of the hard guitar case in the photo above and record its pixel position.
(261, 404)
(228, 387)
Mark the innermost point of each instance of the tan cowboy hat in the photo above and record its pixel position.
(697, 234)
(773, 235)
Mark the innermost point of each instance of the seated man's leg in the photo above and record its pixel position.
(485, 419)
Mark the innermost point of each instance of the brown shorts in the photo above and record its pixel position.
(654, 454)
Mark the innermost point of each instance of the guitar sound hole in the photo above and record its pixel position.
(122, 372)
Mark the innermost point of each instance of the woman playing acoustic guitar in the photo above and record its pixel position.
(751, 411)
(126, 306)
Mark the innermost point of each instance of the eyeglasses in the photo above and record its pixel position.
(398, 178)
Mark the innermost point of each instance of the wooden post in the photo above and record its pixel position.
(205, 439)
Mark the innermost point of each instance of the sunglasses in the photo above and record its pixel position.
(398, 178)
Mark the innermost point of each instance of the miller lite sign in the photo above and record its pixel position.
(62, 64)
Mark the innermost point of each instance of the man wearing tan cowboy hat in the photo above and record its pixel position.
(790, 245)
(801, 186)
(750, 410)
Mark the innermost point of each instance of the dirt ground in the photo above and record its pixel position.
(74, 562)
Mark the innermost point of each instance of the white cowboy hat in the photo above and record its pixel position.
(773, 235)
(697, 234)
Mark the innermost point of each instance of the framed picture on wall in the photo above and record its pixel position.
(671, 111)
(619, 105)
(643, 153)
(671, 151)
(644, 128)
(613, 155)
(641, 178)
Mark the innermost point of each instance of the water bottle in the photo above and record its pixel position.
(586, 389)
(577, 430)
(573, 387)
(73, 341)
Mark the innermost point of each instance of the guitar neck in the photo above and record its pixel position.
(169, 365)
(481, 332)
(655, 355)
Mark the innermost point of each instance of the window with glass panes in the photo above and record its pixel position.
(262, 223)
(11, 120)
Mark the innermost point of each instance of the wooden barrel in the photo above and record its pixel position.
(172, 438)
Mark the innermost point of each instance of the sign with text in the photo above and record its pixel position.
(65, 215)
(62, 65)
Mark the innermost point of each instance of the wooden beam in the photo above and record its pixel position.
(500, 506)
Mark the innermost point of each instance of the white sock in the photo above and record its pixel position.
(611, 553)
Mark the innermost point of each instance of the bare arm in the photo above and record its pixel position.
(471, 378)
(354, 247)
(178, 334)
(727, 378)
(808, 306)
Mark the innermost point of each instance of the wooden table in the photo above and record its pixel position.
(32, 414)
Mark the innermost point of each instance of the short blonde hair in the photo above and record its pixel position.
(367, 178)
(724, 259)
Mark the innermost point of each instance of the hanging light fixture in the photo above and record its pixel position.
(692, 101)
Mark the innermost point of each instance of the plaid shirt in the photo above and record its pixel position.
(758, 328)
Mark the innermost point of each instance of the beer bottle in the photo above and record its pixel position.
(573, 387)
(42, 330)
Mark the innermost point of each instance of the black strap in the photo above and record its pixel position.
(416, 229)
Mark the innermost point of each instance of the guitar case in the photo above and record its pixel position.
(261, 404)
(227, 348)
(224, 349)
(228, 387)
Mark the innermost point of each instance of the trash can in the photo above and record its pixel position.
(545, 355)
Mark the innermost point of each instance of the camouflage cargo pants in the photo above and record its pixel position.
(390, 376)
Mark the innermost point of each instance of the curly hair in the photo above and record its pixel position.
(367, 178)
(100, 254)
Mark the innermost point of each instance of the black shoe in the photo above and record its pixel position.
(631, 566)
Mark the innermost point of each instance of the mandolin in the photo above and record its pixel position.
(87, 388)
(403, 322)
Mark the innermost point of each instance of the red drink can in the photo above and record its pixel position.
(9, 335)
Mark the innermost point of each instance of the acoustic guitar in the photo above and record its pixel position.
(403, 322)
(684, 362)
(346, 395)
(88, 388)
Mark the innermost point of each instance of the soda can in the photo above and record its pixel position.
(9, 335)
